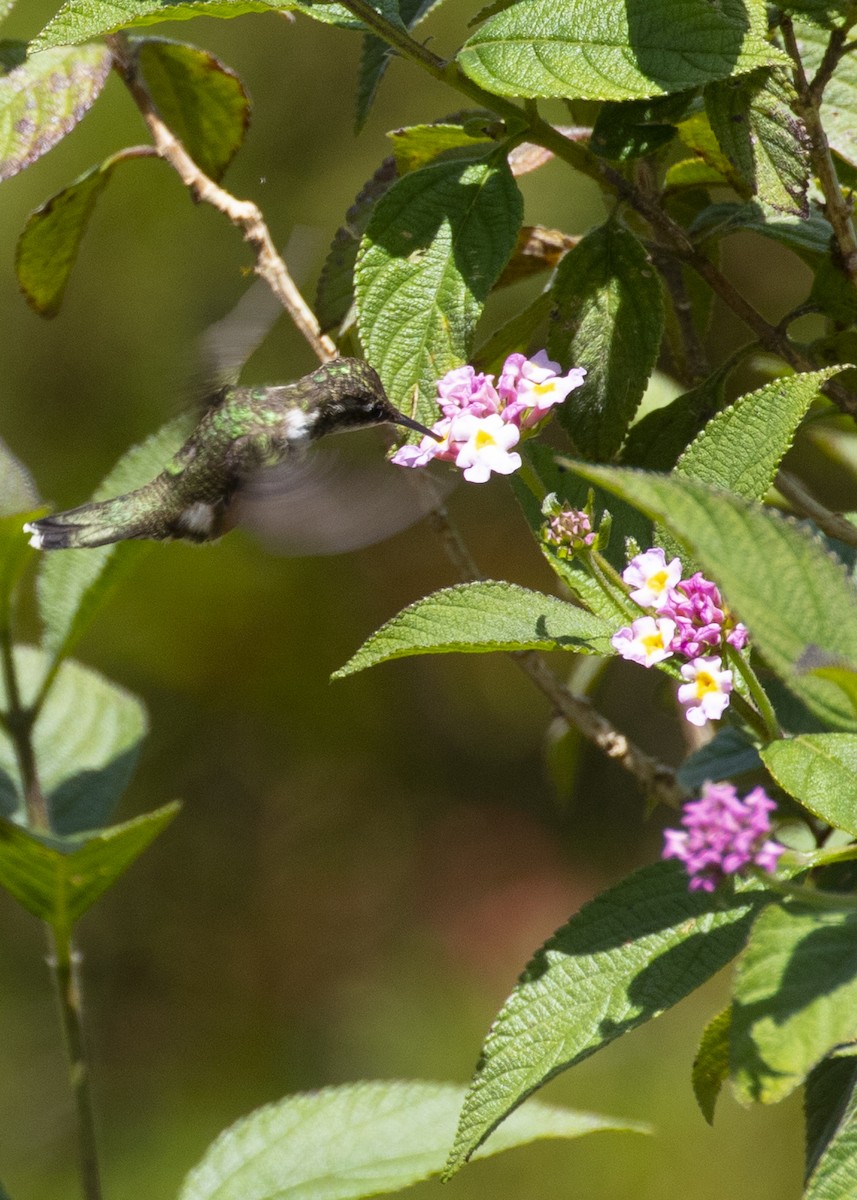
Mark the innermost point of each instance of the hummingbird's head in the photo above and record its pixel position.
(354, 397)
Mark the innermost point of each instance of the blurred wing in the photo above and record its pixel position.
(330, 501)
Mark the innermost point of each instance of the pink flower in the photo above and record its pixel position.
(722, 834)
(462, 390)
(531, 387)
(646, 642)
(428, 448)
(706, 693)
(652, 579)
(483, 446)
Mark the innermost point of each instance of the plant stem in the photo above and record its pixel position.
(64, 962)
(771, 727)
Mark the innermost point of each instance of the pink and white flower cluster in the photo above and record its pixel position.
(722, 835)
(483, 421)
(691, 621)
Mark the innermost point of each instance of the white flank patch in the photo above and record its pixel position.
(197, 518)
(36, 539)
(297, 425)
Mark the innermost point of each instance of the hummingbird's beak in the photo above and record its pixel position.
(400, 419)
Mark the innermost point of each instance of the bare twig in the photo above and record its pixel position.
(243, 213)
(805, 505)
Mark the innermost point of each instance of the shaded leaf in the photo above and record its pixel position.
(79, 20)
(830, 1104)
(819, 770)
(616, 49)
(482, 617)
(86, 741)
(657, 441)
(360, 1139)
(608, 317)
(629, 130)
(624, 958)
(764, 141)
(795, 998)
(59, 878)
(202, 100)
(49, 242)
(435, 244)
(711, 1065)
(537, 249)
(807, 236)
(727, 756)
(376, 55)
(774, 575)
(44, 98)
(73, 584)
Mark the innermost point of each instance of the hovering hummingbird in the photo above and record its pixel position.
(243, 431)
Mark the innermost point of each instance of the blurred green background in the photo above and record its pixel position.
(361, 869)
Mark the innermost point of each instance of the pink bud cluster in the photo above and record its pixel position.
(568, 530)
(482, 420)
(722, 835)
(691, 621)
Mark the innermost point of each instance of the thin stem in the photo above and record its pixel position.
(837, 208)
(771, 726)
(18, 721)
(64, 962)
(243, 213)
(805, 505)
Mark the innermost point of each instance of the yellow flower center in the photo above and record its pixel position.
(483, 439)
(705, 683)
(658, 581)
(653, 641)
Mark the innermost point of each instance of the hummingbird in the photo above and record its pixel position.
(244, 431)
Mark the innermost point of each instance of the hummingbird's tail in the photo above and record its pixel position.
(138, 514)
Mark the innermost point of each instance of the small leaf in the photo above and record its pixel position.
(795, 998)
(616, 50)
(807, 236)
(609, 318)
(59, 878)
(711, 1065)
(819, 770)
(80, 20)
(831, 1130)
(416, 146)
(376, 56)
(727, 756)
(435, 245)
(86, 740)
(18, 492)
(73, 584)
(202, 100)
(741, 448)
(629, 130)
(44, 98)
(774, 575)
(50, 240)
(657, 441)
(360, 1139)
(622, 960)
(764, 141)
(475, 618)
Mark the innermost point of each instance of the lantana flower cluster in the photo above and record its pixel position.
(722, 835)
(690, 621)
(483, 420)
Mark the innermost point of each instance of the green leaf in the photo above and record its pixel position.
(657, 440)
(779, 579)
(635, 128)
(356, 1140)
(86, 740)
(741, 448)
(795, 998)
(819, 770)
(831, 1130)
(622, 960)
(59, 878)
(727, 756)
(376, 56)
(764, 141)
(44, 98)
(609, 318)
(18, 492)
(711, 1065)
(80, 20)
(435, 244)
(616, 49)
(73, 584)
(418, 145)
(807, 236)
(202, 100)
(50, 240)
(475, 618)
(516, 335)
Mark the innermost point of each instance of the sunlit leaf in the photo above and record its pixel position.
(624, 958)
(356, 1140)
(616, 49)
(59, 878)
(44, 98)
(80, 20)
(795, 998)
(483, 617)
(819, 770)
(86, 741)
